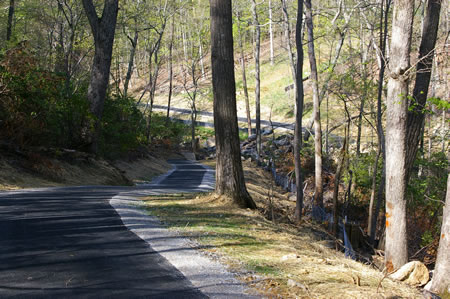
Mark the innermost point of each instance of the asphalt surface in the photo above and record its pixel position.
(71, 243)
(275, 124)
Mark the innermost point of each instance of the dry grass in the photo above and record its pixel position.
(278, 259)
(32, 170)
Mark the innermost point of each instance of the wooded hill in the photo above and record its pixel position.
(85, 75)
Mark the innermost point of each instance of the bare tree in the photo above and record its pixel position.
(103, 29)
(271, 33)
(169, 98)
(396, 253)
(372, 221)
(298, 113)
(257, 30)
(229, 172)
(244, 76)
(318, 187)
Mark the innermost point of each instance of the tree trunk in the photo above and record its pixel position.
(257, 78)
(299, 113)
(416, 113)
(130, 62)
(371, 221)
(396, 171)
(380, 133)
(244, 79)
(441, 278)
(193, 123)
(318, 188)
(103, 30)
(287, 34)
(337, 178)
(169, 99)
(10, 20)
(271, 33)
(229, 172)
(200, 50)
(324, 89)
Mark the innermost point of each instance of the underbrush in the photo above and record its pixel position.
(41, 108)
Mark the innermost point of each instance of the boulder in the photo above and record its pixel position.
(252, 137)
(267, 131)
(413, 273)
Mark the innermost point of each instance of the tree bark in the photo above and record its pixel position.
(416, 113)
(229, 172)
(318, 188)
(169, 98)
(10, 20)
(299, 113)
(244, 78)
(396, 254)
(103, 29)
(257, 78)
(441, 278)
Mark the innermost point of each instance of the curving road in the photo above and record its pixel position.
(70, 242)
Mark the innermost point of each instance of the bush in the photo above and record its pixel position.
(34, 108)
(123, 126)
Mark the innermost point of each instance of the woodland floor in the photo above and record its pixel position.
(54, 168)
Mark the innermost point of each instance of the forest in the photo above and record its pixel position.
(344, 103)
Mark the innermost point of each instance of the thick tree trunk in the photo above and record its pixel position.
(10, 20)
(229, 172)
(416, 113)
(133, 42)
(299, 113)
(318, 188)
(441, 277)
(103, 29)
(257, 31)
(244, 79)
(396, 234)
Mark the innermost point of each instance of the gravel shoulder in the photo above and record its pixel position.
(209, 276)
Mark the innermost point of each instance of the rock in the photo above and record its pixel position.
(267, 131)
(292, 283)
(252, 137)
(413, 273)
(289, 256)
(282, 142)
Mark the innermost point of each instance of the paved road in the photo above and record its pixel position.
(275, 124)
(70, 242)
